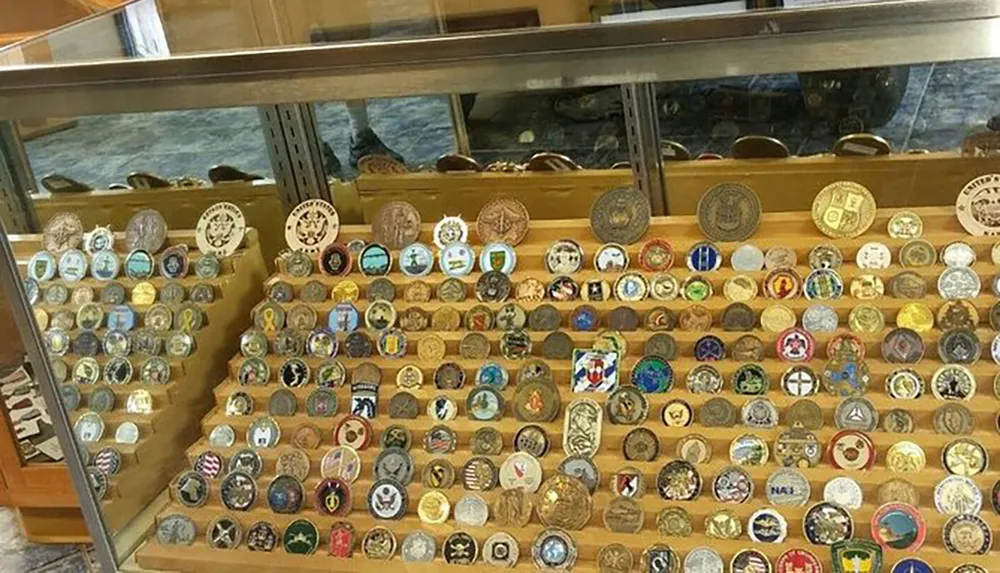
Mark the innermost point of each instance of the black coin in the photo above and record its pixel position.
(358, 345)
(381, 289)
(113, 293)
(623, 318)
(544, 317)
(738, 317)
(662, 344)
(995, 316)
(86, 344)
(493, 286)
(280, 292)
(557, 346)
(202, 293)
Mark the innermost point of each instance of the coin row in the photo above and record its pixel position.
(119, 343)
(114, 293)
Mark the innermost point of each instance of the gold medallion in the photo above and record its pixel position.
(915, 316)
(674, 522)
(564, 501)
(740, 288)
(867, 287)
(431, 347)
(143, 293)
(723, 524)
(905, 457)
(843, 209)
(445, 318)
(906, 225)
(897, 491)
(434, 507)
(866, 319)
(345, 291)
(513, 508)
(777, 318)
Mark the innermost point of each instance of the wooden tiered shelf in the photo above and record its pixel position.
(177, 405)
(790, 229)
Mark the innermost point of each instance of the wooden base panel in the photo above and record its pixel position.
(790, 229)
(53, 525)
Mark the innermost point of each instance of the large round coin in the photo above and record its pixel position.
(729, 212)
(396, 225)
(620, 216)
(146, 231)
(311, 226)
(843, 209)
(976, 205)
(502, 220)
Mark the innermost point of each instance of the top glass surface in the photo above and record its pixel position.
(150, 29)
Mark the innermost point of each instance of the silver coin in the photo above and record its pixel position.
(843, 492)
(418, 547)
(788, 487)
(959, 283)
(958, 254)
(820, 318)
(746, 258)
(471, 510)
(703, 560)
(176, 529)
(222, 436)
(856, 413)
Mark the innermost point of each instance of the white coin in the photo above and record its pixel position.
(874, 256)
(958, 254)
(844, 492)
(747, 258)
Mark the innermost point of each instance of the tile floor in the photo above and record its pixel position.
(941, 104)
(19, 556)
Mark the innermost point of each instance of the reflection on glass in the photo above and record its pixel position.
(102, 151)
(929, 107)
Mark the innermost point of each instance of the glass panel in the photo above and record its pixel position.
(103, 150)
(924, 107)
(416, 130)
(146, 28)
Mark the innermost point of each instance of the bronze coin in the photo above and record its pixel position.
(623, 318)
(414, 319)
(478, 318)
(958, 313)
(661, 344)
(908, 284)
(396, 224)
(451, 290)
(557, 346)
(805, 412)
(898, 421)
(366, 372)
(474, 346)
(381, 289)
(729, 212)
(747, 348)
(544, 318)
(403, 405)
(660, 318)
(739, 317)
(695, 318)
(902, 346)
(995, 316)
(417, 291)
(502, 220)
(897, 491)
(620, 216)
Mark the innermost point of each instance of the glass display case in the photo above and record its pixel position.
(687, 252)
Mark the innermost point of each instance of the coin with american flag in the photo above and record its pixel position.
(108, 460)
(208, 464)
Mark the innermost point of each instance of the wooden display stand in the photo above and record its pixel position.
(177, 405)
(788, 229)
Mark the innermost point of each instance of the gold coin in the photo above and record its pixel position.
(42, 318)
(740, 288)
(345, 291)
(958, 313)
(417, 291)
(143, 293)
(867, 287)
(777, 318)
(434, 507)
(445, 318)
(905, 457)
(915, 316)
(905, 225)
(898, 490)
(674, 522)
(866, 319)
(843, 209)
(917, 253)
(723, 524)
(431, 347)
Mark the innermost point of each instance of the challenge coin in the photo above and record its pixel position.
(826, 524)
(729, 212)
(843, 209)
